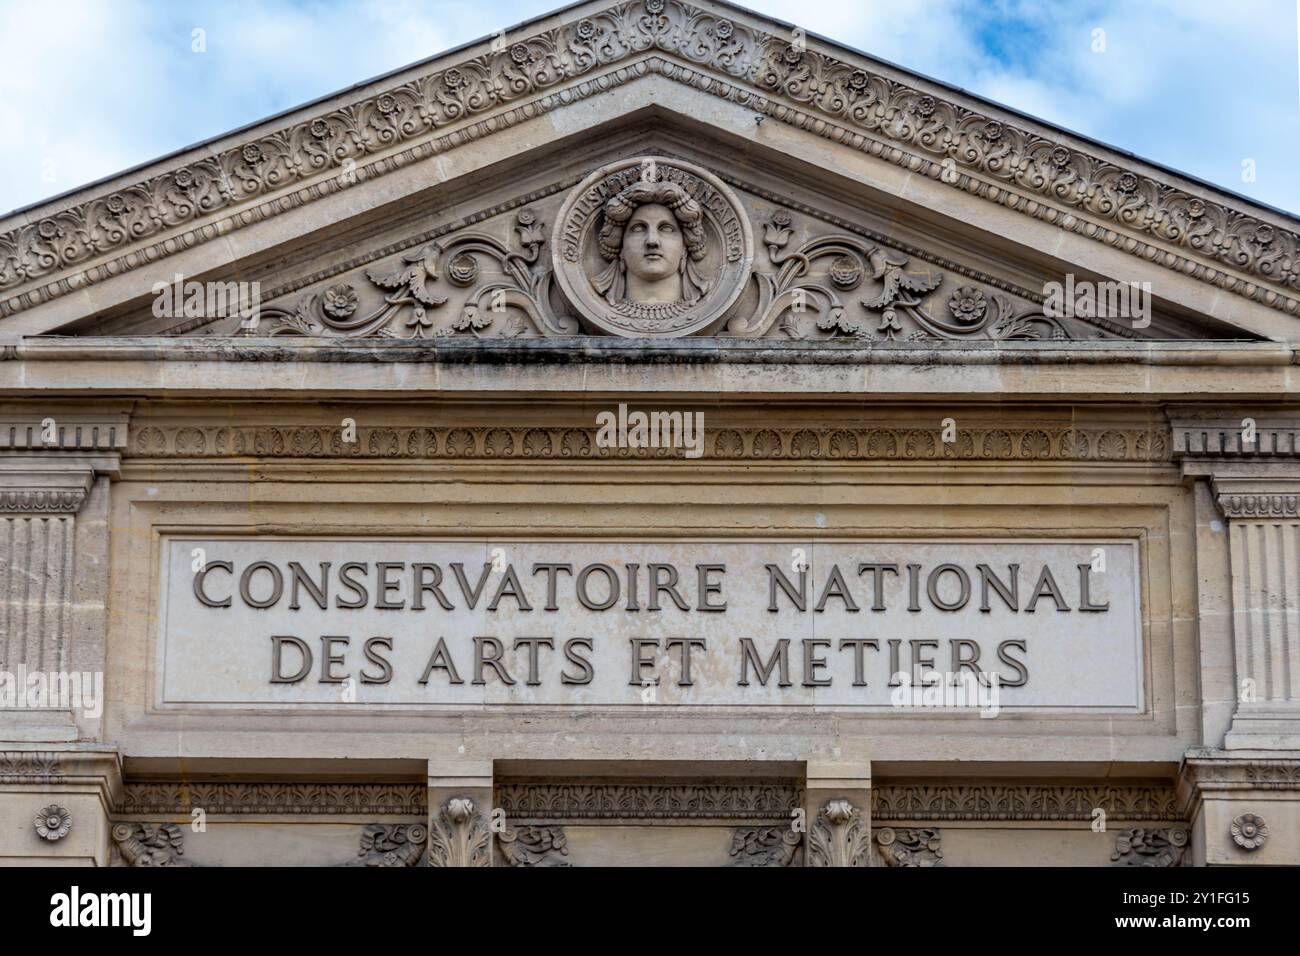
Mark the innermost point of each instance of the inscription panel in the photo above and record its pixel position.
(903, 626)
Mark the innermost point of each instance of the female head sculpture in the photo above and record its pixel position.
(652, 237)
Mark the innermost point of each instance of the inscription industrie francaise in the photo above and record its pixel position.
(408, 623)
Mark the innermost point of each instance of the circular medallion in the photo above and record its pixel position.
(652, 247)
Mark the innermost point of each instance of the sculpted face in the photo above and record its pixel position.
(653, 248)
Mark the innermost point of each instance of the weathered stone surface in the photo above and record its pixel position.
(464, 274)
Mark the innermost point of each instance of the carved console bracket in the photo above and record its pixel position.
(839, 836)
(459, 836)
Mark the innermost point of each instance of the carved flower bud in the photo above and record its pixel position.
(723, 29)
(839, 811)
(453, 79)
(460, 809)
(1127, 183)
(1060, 156)
(1264, 234)
(1195, 208)
(116, 205)
(858, 80)
(253, 154)
(184, 179)
(520, 55)
(925, 106)
(386, 104)
(654, 7)
(585, 30)
(992, 132)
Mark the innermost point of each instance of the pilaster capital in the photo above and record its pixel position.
(49, 457)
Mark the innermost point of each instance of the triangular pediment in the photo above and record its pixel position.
(838, 197)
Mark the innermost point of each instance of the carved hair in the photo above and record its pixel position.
(687, 212)
(612, 281)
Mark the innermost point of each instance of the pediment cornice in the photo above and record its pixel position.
(827, 91)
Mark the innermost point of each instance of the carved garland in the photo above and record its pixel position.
(951, 136)
(1011, 443)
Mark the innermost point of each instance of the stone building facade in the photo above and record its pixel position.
(650, 435)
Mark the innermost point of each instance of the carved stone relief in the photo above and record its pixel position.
(839, 836)
(533, 846)
(975, 442)
(652, 247)
(921, 846)
(1150, 846)
(766, 846)
(900, 802)
(459, 835)
(150, 844)
(53, 822)
(391, 845)
(655, 247)
(1249, 831)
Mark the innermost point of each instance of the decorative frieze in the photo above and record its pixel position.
(297, 799)
(31, 768)
(898, 802)
(644, 802)
(1260, 506)
(739, 443)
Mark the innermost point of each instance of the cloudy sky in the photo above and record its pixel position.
(90, 87)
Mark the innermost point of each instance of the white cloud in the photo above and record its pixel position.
(93, 88)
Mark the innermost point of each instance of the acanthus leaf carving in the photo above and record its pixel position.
(839, 836)
(459, 836)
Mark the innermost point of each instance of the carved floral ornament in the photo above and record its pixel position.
(848, 102)
(655, 247)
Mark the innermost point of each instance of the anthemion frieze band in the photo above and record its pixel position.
(655, 435)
